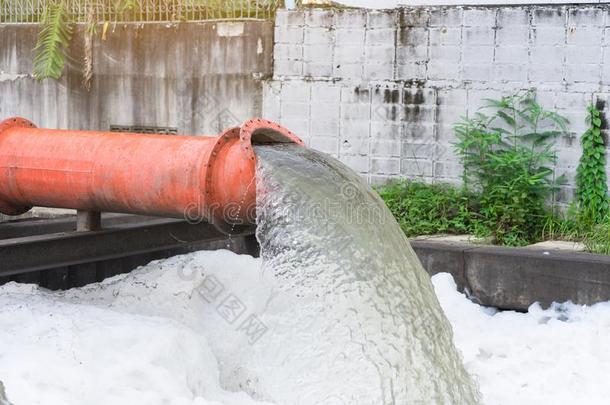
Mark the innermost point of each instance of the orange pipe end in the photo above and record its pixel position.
(192, 177)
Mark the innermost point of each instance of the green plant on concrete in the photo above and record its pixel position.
(591, 186)
(508, 157)
(53, 39)
(425, 209)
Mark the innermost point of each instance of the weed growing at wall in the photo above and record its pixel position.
(508, 156)
(591, 186)
(425, 209)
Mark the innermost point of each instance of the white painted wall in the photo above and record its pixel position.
(381, 90)
(379, 4)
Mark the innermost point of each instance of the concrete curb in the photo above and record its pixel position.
(515, 278)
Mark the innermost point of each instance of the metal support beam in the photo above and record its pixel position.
(88, 221)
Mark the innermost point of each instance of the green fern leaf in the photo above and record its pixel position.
(53, 39)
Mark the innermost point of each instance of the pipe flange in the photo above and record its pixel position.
(262, 131)
(5, 207)
(216, 216)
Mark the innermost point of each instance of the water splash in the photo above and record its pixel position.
(355, 319)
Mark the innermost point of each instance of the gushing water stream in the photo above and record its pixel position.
(354, 319)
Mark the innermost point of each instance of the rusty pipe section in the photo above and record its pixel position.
(192, 177)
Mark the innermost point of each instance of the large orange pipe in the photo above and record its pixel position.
(197, 177)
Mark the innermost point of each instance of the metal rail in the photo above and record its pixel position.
(141, 10)
(51, 253)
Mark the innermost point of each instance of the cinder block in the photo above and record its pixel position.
(419, 96)
(445, 35)
(385, 147)
(484, 54)
(350, 19)
(319, 18)
(325, 144)
(386, 95)
(445, 17)
(591, 16)
(413, 17)
(296, 91)
(351, 36)
(348, 71)
(271, 100)
(356, 94)
(510, 72)
(418, 150)
(359, 164)
(547, 55)
(349, 54)
(442, 70)
(314, 36)
(324, 112)
(451, 98)
(289, 35)
(447, 170)
(318, 54)
(293, 109)
(381, 18)
(419, 113)
(584, 35)
(284, 18)
(572, 101)
(389, 112)
(413, 36)
(553, 35)
(418, 132)
(411, 71)
(512, 54)
(513, 35)
(385, 37)
(353, 146)
(513, 16)
(478, 98)
(553, 16)
(379, 54)
(325, 92)
(385, 130)
(584, 54)
(405, 54)
(353, 111)
(606, 66)
(445, 152)
(378, 71)
(479, 17)
(313, 69)
(328, 126)
(416, 168)
(587, 73)
(285, 67)
(545, 73)
(288, 51)
(477, 72)
(446, 53)
(385, 165)
(478, 35)
(381, 179)
(299, 126)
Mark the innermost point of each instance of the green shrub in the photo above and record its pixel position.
(508, 157)
(425, 209)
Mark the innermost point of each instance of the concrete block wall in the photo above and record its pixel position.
(381, 90)
(197, 77)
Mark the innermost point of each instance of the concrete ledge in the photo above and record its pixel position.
(515, 278)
